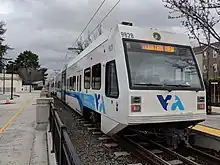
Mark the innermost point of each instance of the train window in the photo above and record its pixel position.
(77, 83)
(58, 84)
(87, 75)
(71, 83)
(80, 83)
(68, 83)
(111, 80)
(96, 76)
(74, 83)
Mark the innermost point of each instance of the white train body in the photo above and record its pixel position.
(147, 77)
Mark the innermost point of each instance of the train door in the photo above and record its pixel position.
(111, 87)
(63, 86)
(79, 90)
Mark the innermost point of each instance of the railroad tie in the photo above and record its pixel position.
(136, 164)
(191, 158)
(175, 162)
(97, 133)
(111, 145)
(156, 151)
(104, 138)
(87, 125)
(80, 119)
(91, 129)
(122, 153)
(83, 122)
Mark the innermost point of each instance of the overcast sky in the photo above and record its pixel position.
(49, 27)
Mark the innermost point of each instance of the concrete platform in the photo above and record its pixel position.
(213, 120)
(20, 142)
(211, 125)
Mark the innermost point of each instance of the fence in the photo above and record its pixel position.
(62, 145)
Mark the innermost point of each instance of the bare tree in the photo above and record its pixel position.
(89, 37)
(199, 17)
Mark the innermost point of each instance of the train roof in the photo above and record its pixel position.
(145, 34)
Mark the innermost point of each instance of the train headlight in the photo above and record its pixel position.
(135, 108)
(201, 106)
(200, 103)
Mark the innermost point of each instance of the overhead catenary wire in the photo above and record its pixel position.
(105, 17)
(97, 10)
(99, 22)
(102, 19)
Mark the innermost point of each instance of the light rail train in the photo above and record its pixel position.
(135, 77)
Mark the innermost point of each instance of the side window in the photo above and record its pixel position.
(74, 83)
(96, 77)
(87, 75)
(67, 83)
(111, 80)
(70, 83)
(80, 82)
(77, 83)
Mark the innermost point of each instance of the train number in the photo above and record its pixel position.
(127, 35)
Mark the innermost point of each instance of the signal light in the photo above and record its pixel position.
(201, 106)
(135, 108)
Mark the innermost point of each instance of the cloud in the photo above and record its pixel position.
(48, 27)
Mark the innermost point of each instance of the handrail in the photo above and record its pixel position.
(62, 146)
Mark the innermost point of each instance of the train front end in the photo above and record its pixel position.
(165, 85)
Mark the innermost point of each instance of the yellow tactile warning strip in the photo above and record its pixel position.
(208, 130)
(14, 116)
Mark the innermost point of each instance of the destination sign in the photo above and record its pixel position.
(161, 48)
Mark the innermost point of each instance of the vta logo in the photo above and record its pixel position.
(173, 101)
(99, 101)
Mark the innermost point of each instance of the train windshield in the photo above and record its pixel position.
(152, 65)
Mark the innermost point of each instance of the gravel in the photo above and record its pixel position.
(89, 148)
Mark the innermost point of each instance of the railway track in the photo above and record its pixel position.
(152, 152)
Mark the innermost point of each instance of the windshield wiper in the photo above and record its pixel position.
(177, 85)
(149, 84)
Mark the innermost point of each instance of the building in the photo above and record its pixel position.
(37, 85)
(17, 83)
(209, 61)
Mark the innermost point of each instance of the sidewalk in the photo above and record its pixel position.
(20, 143)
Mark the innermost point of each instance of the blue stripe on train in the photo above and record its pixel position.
(92, 101)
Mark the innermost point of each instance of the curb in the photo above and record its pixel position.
(51, 156)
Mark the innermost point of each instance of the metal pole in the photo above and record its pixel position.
(4, 82)
(12, 81)
(214, 94)
(54, 82)
(30, 83)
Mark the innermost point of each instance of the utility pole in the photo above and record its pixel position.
(30, 81)
(12, 81)
(4, 80)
